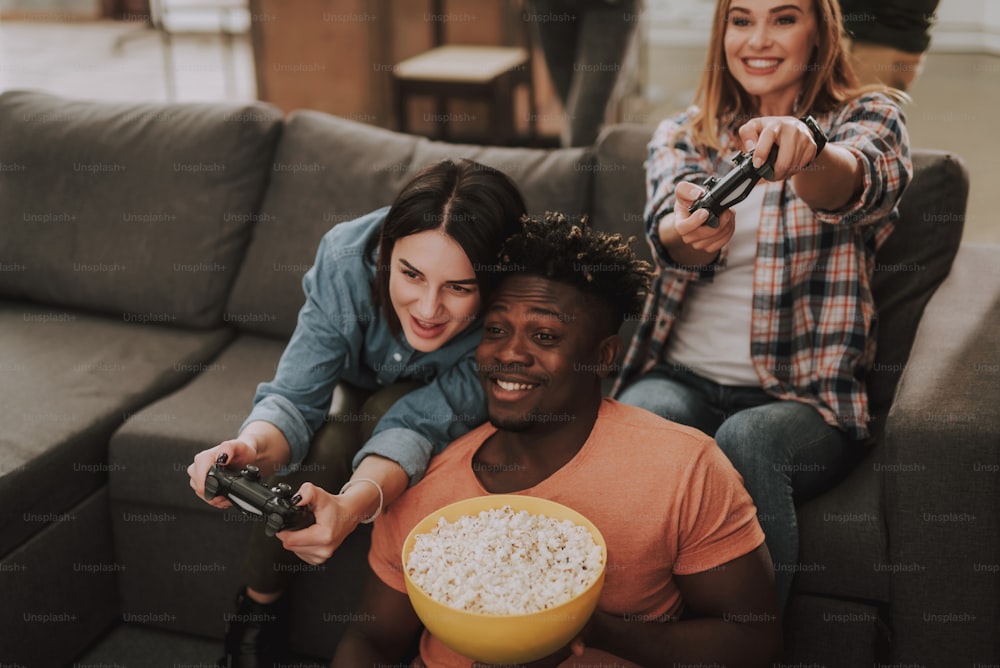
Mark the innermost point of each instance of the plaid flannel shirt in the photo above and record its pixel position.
(813, 324)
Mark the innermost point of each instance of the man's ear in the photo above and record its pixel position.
(607, 353)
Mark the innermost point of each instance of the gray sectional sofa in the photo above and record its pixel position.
(150, 266)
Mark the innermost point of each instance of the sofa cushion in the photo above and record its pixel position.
(550, 180)
(328, 170)
(620, 197)
(911, 265)
(69, 380)
(129, 208)
(843, 544)
(156, 449)
(620, 183)
(65, 574)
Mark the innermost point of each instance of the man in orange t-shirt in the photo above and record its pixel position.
(681, 531)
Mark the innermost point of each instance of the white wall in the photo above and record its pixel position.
(962, 25)
(967, 25)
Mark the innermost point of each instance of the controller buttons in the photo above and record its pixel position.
(251, 472)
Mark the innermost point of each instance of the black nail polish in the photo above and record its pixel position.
(296, 499)
(222, 459)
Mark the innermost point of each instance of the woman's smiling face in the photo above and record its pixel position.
(433, 289)
(769, 46)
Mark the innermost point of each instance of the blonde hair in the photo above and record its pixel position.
(829, 80)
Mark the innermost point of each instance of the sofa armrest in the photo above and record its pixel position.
(942, 473)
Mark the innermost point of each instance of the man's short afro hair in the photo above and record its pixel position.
(567, 249)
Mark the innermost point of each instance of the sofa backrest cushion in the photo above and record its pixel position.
(620, 183)
(328, 170)
(138, 210)
(912, 263)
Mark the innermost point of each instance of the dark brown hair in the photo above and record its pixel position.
(474, 204)
(603, 266)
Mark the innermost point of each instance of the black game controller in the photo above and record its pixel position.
(251, 496)
(733, 187)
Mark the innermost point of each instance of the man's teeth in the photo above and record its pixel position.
(506, 385)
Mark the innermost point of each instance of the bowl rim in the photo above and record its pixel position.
(503, 501)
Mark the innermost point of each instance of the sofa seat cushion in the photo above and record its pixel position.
(126, 207)
(150, 453)
(70, 380)
(843, 545)
(329, 170)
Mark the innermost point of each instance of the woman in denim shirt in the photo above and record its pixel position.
(391, 318)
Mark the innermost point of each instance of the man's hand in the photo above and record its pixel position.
(334, 522)
(233, 454)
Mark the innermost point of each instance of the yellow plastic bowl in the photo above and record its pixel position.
(505, 638)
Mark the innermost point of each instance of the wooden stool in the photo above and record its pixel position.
(486, 73)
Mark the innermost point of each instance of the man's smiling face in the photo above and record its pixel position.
(538, 354)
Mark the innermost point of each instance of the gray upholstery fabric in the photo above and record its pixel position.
(550, 180)
(157, 446)
(620, 196)
(59, 587)
(842, 538)
(620, 187)
(93, 232)
(942, 445)
(71, 380)
(911, 265)
(832, 633)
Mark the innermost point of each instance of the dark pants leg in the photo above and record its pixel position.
(584, 43)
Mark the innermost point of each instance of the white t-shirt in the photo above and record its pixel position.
(711, 335)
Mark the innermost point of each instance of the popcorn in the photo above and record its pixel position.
(502, 562)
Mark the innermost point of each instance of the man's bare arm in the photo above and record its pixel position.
(384, 632)
(737, 622)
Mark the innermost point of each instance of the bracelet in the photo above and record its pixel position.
(381, 498)
(817, 132)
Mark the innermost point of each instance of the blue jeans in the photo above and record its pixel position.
(784, 450)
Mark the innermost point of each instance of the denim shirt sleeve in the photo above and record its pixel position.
(297, 400)
(423, 422)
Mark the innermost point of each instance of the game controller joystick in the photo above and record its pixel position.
(734, 187)
(245, 490)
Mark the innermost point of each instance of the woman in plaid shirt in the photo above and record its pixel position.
(760, 331)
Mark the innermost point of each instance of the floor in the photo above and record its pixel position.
(953, 105)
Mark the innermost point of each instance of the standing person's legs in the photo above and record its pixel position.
(555, 29)
(874, 63)
(786, 453)
(603, 36)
